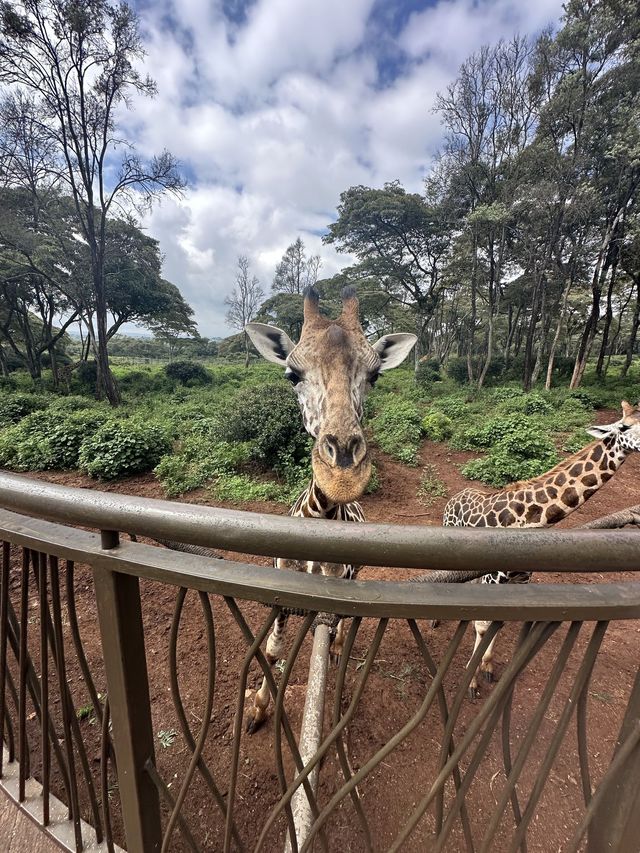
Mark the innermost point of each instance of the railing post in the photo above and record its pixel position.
(615, 826)
(120, 616)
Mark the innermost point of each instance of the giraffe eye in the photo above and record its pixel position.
(292, 377)
(373, 379)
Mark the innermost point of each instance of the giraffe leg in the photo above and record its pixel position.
(338, 643)
(481, 630)
(434, 623)
(486, 664)
(258, 712)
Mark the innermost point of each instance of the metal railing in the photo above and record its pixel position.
(422, 768)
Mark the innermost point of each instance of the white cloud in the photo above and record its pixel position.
(274, 116)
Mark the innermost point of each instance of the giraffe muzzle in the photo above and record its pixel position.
(342, 468)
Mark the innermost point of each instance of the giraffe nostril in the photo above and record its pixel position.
(330, 446)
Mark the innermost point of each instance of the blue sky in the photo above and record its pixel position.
(276, 106)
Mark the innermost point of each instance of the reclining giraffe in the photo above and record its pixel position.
(332, 368)
(544, 500)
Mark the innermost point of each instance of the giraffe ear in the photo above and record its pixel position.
(601, 430)
(627, 409)
(274, 344)
(393, 349)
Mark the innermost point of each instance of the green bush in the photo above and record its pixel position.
(535, 404)
(197, 461)
(397, 430)
(451, 406)
(505, 393)
(240, 487)
(188, 373)
(576, 441)
(436, 426)
(457, 370)
(268, 418)
(427, 372)
(123, 448)
(14, 407)
(519, 449)
(431, 486)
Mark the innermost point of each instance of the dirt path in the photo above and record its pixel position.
(394, 691)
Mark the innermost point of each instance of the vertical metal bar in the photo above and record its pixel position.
(4, 599)
(120, 617)
(65, 699)
(615, 825)
(44, 689)
(22, 681)
(311, 731)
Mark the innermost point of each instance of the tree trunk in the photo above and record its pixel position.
(106, 383)
(633, 334)
(246, 350)
(608, 318)
(4, 364)
(556, 337)
(544, 332)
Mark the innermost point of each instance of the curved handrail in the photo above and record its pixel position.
(408, 546)
(301, 591)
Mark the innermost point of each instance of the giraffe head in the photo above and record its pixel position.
(626, 431)
(332, 367)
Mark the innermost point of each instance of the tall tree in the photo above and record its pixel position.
(296, 271)
(244, 301)
(76, 61)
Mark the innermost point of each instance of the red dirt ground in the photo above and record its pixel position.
(394, 691)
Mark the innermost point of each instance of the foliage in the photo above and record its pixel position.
(268, 418)
(518, 450)
(576, 441)
(431, 486)
(13, 407)
(123, 448)
(427, 372)
(397, 430)
(436, 426)
(188, 373)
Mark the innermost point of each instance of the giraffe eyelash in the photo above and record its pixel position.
(292, 377)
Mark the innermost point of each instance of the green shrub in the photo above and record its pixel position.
(427, 372)
(188, 373)
(457, 369)
(14, 407)
(436, 426)
(397, 430)
(374, 481)
(240, 487)
(123, 448)
(519, 449)
(268, 418)
(451, 406)
(8, 383)
(85, 378)
(197, 461)
(535, 404)
(576, 441)
(505, 393)
(431, 486)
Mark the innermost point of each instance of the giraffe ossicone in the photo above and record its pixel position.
(545, 500)
(332, 368)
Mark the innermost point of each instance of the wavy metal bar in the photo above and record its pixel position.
(609, 778)
(254, 645)
(391, 744)
(66, 698)
(105, 753)
(67, 708)
(163, 790)
(179, 707)
(581, 679)
(331, 737)
(445, 751)
(474, 728)
(206, 720)
(4, 600)
(277, 721)
(340, 747)
(510, 676)
(22, 682)
(514, 771)
(45, 746)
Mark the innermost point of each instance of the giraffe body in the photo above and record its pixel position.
(544, 500)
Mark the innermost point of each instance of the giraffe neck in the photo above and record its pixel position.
(553, 496)
(313, 503)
